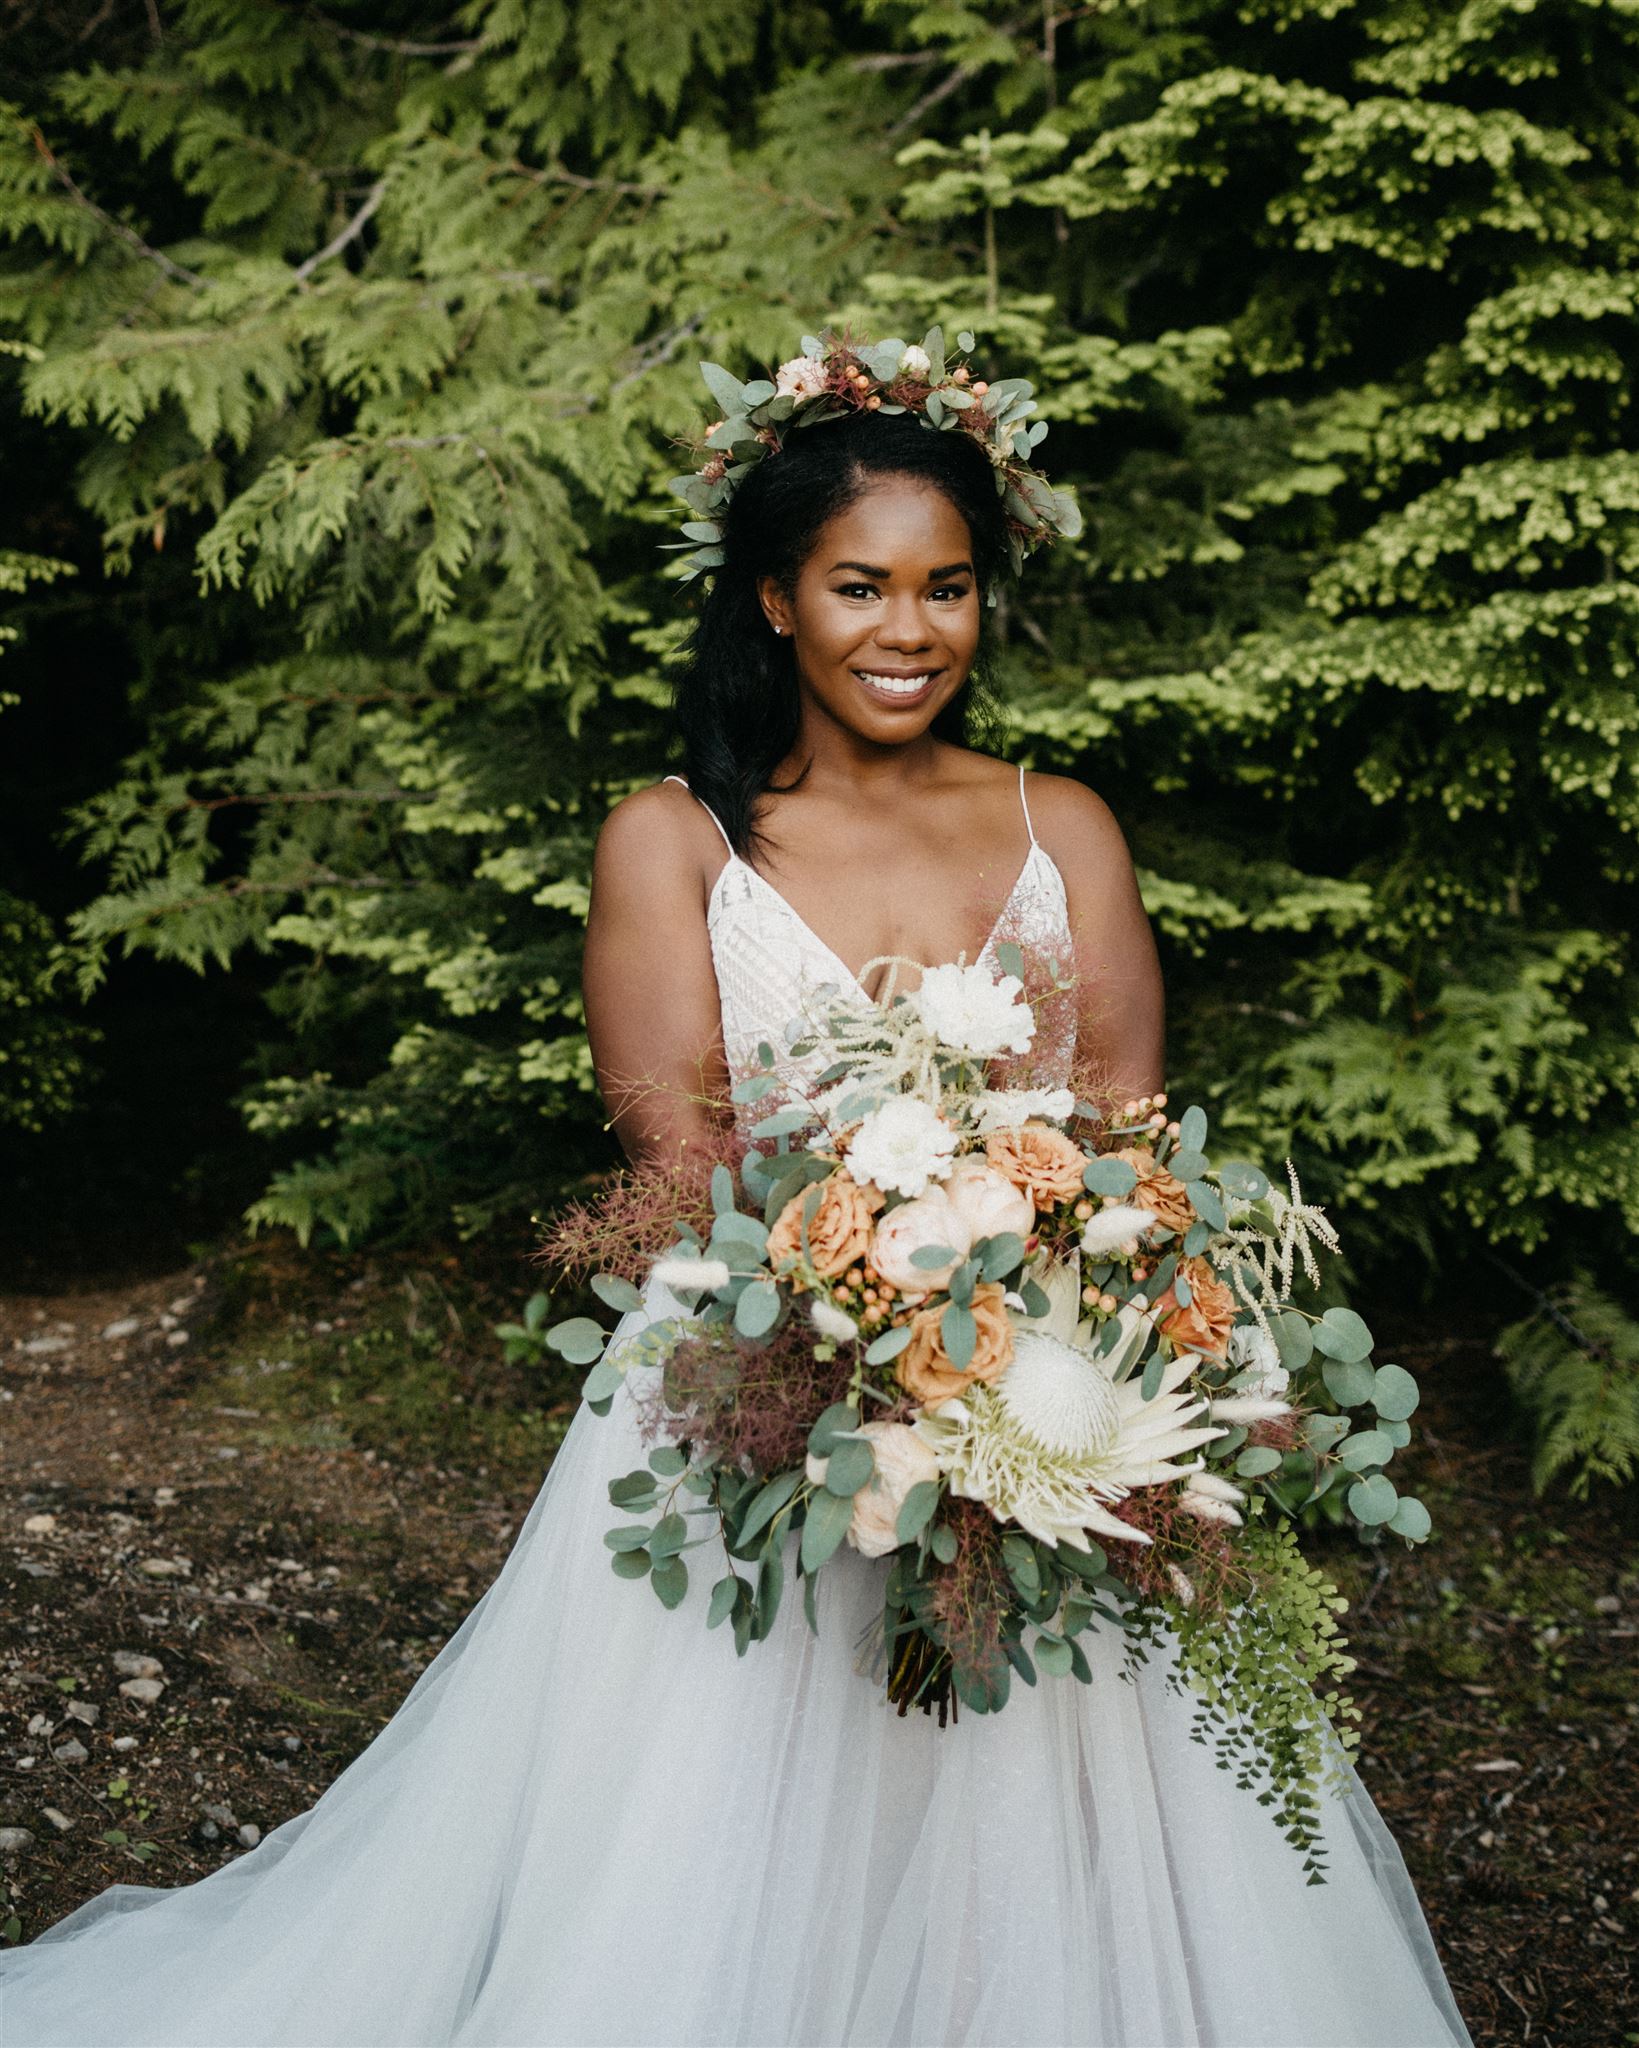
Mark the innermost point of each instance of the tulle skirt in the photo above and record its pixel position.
(590, 1822)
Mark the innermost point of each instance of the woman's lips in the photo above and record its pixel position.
(899, 691)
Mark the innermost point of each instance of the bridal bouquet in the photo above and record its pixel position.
(1042, 1356)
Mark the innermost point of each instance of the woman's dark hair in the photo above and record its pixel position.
(736, 702)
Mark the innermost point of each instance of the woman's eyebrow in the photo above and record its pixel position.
(882, 575)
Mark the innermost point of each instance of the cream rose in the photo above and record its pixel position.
(931, 1219)
(924, 1367)
(986, 1200)
(903, 1460)
(803, 377)
(839, 1230)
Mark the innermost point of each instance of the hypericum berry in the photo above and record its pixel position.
(854, 1276)
(1107, 1302)
(980, 387)
(1082, 1211)
(1090, 1296)
(1161, 1100)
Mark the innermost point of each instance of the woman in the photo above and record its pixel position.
(590, 1822)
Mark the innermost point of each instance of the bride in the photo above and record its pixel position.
(590, 1822)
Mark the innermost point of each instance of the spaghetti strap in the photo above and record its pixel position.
(710, 813)
(1025, 801)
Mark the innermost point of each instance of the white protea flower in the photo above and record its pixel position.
(1005, 1109)
(692, 1276)
(831, 1322)
(901, 1146)
(1054, 1443)
(972, 1011)
(1254, 1354)
(1107, 1230)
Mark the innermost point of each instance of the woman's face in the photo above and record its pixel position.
(885, 615)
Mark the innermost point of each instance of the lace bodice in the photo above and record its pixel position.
(770, 962)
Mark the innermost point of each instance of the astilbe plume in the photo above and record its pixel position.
(631, 1221)
(972, 1594)
(1050, 989)
(752, 1404)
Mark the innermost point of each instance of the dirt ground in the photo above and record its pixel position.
(243, 1503)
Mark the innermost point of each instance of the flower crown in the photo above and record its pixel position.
(834, 377)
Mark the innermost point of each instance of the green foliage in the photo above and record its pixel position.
(1574, 1366)
(1265, 1682)
(1329, 306)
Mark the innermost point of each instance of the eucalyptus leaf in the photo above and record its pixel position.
(825, 1524)
(1109, 1176)
(1293, 1339)
(1257, 1461)
(722, 1600)
(1192, 1128)
(1410, 1518)
(1394, 1393)
(1205, 1200)
(837, 1421)
(768, 1504)
(1342, 1335)
(960, 1332)
(1373, 1500)
(619, 1294)
(943, 1543)
(916, 1510)
(1052, 1654)
(889, 1345)
(1348, 1381)
(849, 1467)
(1365, 1448)
(631, 1564)
(579, 1340)
(670, 1580)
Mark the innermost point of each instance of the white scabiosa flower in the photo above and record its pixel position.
(901, 1146)
(1247, 1408)
(831, 1322)
(1254, 1352)
(971, 1011)
(1107, 1230)
(692, 1276)
(1054, 1443)
(1005, 1109)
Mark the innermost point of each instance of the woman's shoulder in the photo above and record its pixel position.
(660, 831)
(1074, 823)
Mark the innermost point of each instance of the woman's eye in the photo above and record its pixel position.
(954, 591)
(851, 589)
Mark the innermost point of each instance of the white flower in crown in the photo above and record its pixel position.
(970, 1010)
(1252, 1350)
(1005, 1109)
(915, 362)
(801, 378)
(901, 1146)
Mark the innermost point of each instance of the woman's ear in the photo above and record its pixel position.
(776, 607)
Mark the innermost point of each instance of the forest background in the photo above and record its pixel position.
(348, 354)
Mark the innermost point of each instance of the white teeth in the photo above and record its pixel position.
(896, 686)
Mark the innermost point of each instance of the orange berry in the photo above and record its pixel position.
(1082, 1211)
(872, 402)
(980, 387)
(1107, 1302)
(1161, 1100)
(854, 1276)
(960, 374)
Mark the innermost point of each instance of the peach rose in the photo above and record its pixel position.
(1205, 1325)
(903, 1460)
(987, 1201)
(924, 1369)
(1044, 1163)
(839, 1230)
(1158, 1191)
(915, 1226)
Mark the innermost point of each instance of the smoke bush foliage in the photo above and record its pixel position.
(387, 333)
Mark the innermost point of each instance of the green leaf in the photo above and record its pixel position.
(1410, 1519)
(1109, 1176)
(579, 1340)
(758, 1309)
(837, 1421)
(998, 1255)
(728, 391)
(1205, 1201)
(960, 1332)
(619, 1294)
(932, 1256)
(825, 1525)
(1052, 1654)
(1373, 1500)
(1348, 1381)
(1186, 1164)
(1010, 959)
(669, 1535)
(768, 1503)
(1341, 1334)
(1394, 1393)
(1256, 1461)
(1365, 1447)
(770, 1585)
(1192, 1128)
(631, 1536)
(670, 1580)
(722, 1601)
(1035, 1299)
(888, 1345)
(668, 1460)
(602, 1381)
(916, 1510)
(1293, 1339)
(1240, 1178)
(631, 1564)
(943, 1543)
(635, 1490)
(849, 1467)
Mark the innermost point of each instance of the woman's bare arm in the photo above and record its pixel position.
(651, 997)
(1121, 1014)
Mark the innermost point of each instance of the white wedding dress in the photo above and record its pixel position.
(590, 1822)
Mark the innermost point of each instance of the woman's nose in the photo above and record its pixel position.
(903, 626)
